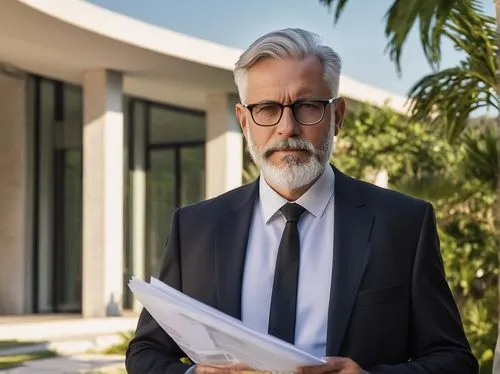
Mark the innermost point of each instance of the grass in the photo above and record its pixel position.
(12, 361)
(8, 344)
(120, 348)
(9, 362)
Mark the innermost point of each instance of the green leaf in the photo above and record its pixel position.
(481, 155)
(339, 8)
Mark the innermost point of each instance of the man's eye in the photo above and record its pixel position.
(266, 108)
(309, 105)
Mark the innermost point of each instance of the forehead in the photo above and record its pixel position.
(282, 79)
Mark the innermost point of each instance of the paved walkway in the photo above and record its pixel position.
(77, 364)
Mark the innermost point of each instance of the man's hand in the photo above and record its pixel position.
(225, 369)
(337, 365)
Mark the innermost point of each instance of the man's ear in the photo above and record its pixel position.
(340, 108)
(241, 116)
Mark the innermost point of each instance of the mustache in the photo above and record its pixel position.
(291, 143)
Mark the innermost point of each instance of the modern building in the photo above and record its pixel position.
(107, 124)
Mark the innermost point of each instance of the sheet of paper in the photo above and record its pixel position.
(209, 336)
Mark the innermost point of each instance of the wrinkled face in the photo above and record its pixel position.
(289, 154)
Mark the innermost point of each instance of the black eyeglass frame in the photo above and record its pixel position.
(324, 102)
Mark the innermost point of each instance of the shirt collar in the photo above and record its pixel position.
(314, 200)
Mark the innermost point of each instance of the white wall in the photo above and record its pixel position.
(13, 195)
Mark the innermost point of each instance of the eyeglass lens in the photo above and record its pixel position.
(306, 112)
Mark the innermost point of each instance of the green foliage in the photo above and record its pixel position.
(447, 97)
(459, 180)
(250, 172)
(451, 95)
(121, 347)
(403, 15)
(16, 361)
(481, 155)
(373, 139)
(9, 361)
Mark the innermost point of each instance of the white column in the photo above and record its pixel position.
(138, 216)
(13, 194)
(102, 194)
(224, 147)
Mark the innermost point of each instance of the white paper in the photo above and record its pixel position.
(211, 337)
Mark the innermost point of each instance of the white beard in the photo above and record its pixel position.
(295, 173)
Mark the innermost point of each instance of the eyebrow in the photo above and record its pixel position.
(303, 98)
(266, 102)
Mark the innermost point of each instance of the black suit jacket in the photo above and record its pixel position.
(391, 309)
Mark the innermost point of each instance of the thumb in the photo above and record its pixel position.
(336, 363)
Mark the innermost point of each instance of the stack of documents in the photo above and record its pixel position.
(211, 337)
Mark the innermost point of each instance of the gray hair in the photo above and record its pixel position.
(288, 43)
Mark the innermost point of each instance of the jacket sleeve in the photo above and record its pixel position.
(152, 350)
(437, 341)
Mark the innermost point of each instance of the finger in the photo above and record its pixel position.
(332, 365)
(221, 369)
(337, 363)
(207, 369)
(213, 369)
(238, 366)
(309, 369)
(320, 369)
(344, 365)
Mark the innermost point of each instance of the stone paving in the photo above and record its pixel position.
(77, 364)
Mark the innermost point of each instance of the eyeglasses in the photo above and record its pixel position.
(305, 112)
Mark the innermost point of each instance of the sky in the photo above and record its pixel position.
(358, 37)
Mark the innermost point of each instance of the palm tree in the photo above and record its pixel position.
(454, 93)
(496, 361)
(449, 96)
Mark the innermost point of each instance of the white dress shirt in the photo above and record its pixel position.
(316, 256)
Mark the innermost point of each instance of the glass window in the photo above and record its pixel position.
(68, 218)
(175, 172)
(175, 125)
(68, 198)
(44, 250)
(192, 175)
(161, 203)
(68, 128)
(58, 187)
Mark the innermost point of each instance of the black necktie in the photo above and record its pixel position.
(286, 277)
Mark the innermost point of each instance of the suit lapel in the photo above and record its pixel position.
(230, 249)
(352, 231)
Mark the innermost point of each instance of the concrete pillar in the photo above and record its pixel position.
(224, 147)
(102, 194)
(14, 241)
(138, 214)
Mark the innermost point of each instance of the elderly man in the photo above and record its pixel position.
(340, 268)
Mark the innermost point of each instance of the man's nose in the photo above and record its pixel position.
(287, 126)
